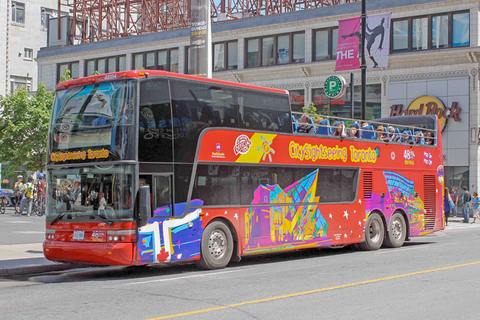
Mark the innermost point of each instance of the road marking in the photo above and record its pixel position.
(30, 232)
(186, 277)
(298, 294)
(400, 250)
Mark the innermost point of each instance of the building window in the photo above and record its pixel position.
(325, 44)
(400, 35)
(461, 29)
(297, 100)
(440, 32)
(253, 53)
(225, 56)
(157, 60)
(46, 14)
(342, 107)
(446, 30)
(18, 12)
(73, 67)
(28, 54)
(274, 50)
(105, 65)
(420, 34)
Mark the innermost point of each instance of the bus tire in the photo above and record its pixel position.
(374, 233)
(398, 231)
(216, 247)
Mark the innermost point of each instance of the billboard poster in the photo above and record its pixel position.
(377, 40)
(200, 48)
(348, 44)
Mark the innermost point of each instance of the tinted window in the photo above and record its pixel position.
(197, 106)
(264, 111)
(156, 127)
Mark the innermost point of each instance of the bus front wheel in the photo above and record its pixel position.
(398, 231)
(216, 246)
(374, 233)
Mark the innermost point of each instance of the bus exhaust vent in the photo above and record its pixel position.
(367, 185)
(429, 191)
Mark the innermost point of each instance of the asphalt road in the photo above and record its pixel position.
(431, 277)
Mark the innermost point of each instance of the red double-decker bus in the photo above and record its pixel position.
(155, 167)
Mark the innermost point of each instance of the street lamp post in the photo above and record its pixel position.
(363, 63)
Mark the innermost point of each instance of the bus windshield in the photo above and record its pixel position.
(94, 116)
(90, 191)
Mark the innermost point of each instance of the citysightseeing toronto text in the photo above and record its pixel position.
(321, 152)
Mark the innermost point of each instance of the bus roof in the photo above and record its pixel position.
(157, 73)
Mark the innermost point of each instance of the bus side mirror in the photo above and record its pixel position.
(145, 203)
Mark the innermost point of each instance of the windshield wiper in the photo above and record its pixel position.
(60, 215)
(107, 221)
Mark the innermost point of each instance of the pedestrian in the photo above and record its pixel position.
(446, 205)
(41, 190)
(27, 198)
(475, 206)
(454, 196)
(467, 197)
(17, 187)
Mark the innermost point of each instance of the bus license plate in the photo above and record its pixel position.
(78, 235)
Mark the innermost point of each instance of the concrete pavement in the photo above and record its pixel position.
(21, 250)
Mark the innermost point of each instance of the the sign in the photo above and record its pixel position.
(377, 40)
(334, 87)
(348, 44)
(428, 105)
(200, 39)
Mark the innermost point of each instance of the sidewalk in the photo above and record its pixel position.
(18, 259)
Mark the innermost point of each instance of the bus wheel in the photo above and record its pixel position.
(374, 233)
(216, 247)
(398, 231)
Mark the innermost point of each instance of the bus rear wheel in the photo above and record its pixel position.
(216, 246)
(398, 231)
(374, 233)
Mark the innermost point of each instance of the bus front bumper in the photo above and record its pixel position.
(104, 253)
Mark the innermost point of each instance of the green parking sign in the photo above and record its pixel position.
(334, 87)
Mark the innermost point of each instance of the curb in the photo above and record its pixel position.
(39, 269)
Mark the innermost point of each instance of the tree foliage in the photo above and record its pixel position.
(23, 129)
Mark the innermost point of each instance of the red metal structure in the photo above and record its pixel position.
(97, 20)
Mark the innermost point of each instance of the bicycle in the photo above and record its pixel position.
(38, 207)
(3, 204)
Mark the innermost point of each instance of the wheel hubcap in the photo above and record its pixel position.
(217, 244)
(396, 229)
(374, 231)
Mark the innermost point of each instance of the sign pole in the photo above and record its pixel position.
(363, 63)
(352, 99)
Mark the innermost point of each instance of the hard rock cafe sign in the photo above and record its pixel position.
(428, 105)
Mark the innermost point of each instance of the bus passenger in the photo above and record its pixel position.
(353, 131)
(304, 125)
(392, 135)
(381, 134)
(339, 130)
(419, 138)
(429, 138)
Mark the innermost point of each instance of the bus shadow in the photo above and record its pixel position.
(115, 273)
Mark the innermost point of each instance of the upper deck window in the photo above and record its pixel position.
(94, 117)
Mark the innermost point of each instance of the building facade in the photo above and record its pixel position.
(23, 30)
(434, 56)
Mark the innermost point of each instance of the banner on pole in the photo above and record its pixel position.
(377, 40)
(200, 39)
(348, 44)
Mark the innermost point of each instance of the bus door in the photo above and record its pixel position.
(162, 195)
